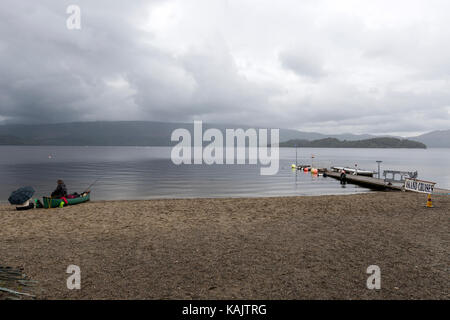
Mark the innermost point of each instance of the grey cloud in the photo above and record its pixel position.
(327, 72)
(304, 64)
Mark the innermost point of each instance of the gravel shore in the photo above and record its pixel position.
(250, 248)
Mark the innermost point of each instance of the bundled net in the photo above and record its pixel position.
(15, 285)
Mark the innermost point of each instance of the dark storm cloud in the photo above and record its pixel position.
(322, 66)
(304, 64)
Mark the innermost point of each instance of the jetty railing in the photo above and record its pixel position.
(403, 175)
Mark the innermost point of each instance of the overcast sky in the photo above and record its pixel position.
(328, 66)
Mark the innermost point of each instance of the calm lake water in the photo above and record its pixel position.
(148, 172)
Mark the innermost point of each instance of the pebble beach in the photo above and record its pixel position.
(315, 247)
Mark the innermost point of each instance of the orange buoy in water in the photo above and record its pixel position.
(429, 203)
(305, 169)
(314, 171)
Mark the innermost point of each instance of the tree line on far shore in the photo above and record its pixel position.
(384, 142)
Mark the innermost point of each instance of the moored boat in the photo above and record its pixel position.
(357, 172)
(55, 203)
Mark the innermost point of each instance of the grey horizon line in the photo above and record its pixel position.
(234, 126)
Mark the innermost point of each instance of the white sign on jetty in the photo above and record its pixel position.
(419, 186)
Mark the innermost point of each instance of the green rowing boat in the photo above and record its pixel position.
(55, 203)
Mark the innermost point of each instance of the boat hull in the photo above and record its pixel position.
(55, 203)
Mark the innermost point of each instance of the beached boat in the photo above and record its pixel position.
(55, 203)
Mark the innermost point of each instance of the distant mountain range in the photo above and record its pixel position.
(385, 142)
(434, 139)
(149, 133)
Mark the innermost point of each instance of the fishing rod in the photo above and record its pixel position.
(87, 189)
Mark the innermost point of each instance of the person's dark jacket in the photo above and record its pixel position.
(60, 191)
(343, 177)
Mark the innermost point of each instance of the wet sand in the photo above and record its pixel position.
(259, 248)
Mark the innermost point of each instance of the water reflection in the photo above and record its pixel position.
(147, 172)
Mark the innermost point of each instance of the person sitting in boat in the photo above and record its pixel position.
(60, 191)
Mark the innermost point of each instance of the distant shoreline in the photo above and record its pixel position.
(159, 146)
(147, 133)
(384, 143)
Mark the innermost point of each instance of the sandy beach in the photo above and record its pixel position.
(251, 248)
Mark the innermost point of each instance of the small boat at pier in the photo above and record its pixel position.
(353, 171)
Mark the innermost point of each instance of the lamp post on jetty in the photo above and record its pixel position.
(379, 172)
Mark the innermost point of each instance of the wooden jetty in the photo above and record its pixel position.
(378, 184)
(369, 182)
